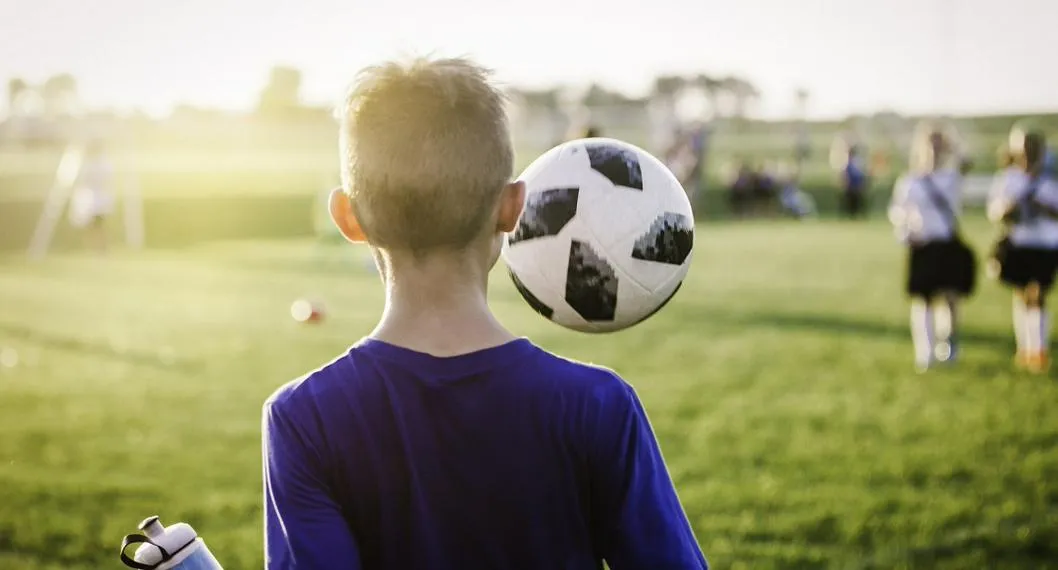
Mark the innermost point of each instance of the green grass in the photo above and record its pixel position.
(779, 383)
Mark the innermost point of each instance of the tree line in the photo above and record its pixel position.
(281, 97)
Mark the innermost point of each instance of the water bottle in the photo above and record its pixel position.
(175, 547)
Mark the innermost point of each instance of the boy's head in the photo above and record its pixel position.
(426, 160)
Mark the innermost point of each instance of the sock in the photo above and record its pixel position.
(922, 332)
(1045, 331)
(1019, 323)
(953, 321)
(942, 321)
(942, 329)
(1033, 328)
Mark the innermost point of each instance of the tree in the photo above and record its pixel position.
(60, 95)
(16, 87)
(712, 88)
(538, 114)
(599, 96)
(802, 138)
(667, 86)
(743, 95)
(540, 99)
(802, 95)
(281, 96)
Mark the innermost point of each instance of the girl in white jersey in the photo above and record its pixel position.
(941, 268)
(1025, 203)
(93, 200)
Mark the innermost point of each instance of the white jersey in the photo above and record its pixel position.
(919, 217)
(1010, 188)
(92, 196)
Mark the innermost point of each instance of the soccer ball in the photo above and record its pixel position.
(306, 311)
(606, 236)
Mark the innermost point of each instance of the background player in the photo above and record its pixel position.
(794, 201)
(924, 211)
(1024, 201)
(93, 196)
(854, 181)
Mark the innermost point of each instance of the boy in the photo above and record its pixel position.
(442, 441)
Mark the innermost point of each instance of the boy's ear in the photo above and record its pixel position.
(344, 218)
(512, 200)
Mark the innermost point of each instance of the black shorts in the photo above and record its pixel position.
(854, 202)
(1024, 265)
(941, 267)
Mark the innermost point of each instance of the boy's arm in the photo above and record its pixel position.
(638, 523)
(304, 527)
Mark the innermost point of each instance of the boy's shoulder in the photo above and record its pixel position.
(307, 388)
(592, 385)
(583, 375)
(541, 368)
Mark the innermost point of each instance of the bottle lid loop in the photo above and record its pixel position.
(131, 539)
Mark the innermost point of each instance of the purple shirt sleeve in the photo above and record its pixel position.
(304, 527)
(639, 523)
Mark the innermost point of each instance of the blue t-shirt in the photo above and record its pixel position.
(855, 175)
(699, 140)
(505, 458)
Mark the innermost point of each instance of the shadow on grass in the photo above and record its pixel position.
(157, 359)
(842, 325)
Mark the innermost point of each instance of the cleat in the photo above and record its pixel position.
(945, 352)
(1038, 363)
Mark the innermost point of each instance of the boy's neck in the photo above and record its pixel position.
(439, 309)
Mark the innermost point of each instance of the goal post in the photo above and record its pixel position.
(128, 196)
(55, 203)
(132, 205)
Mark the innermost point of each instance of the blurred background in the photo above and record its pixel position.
(135, 355)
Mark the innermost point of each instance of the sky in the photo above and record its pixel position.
(916, 56)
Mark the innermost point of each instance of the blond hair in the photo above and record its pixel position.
(425, 151)
(923, 158)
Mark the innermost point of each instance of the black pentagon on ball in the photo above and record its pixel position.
(662, 305)
(591, 284)
(546, 213)
(618, 164)
(534, 302)
(669, 240)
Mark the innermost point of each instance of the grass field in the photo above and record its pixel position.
(779, 382)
